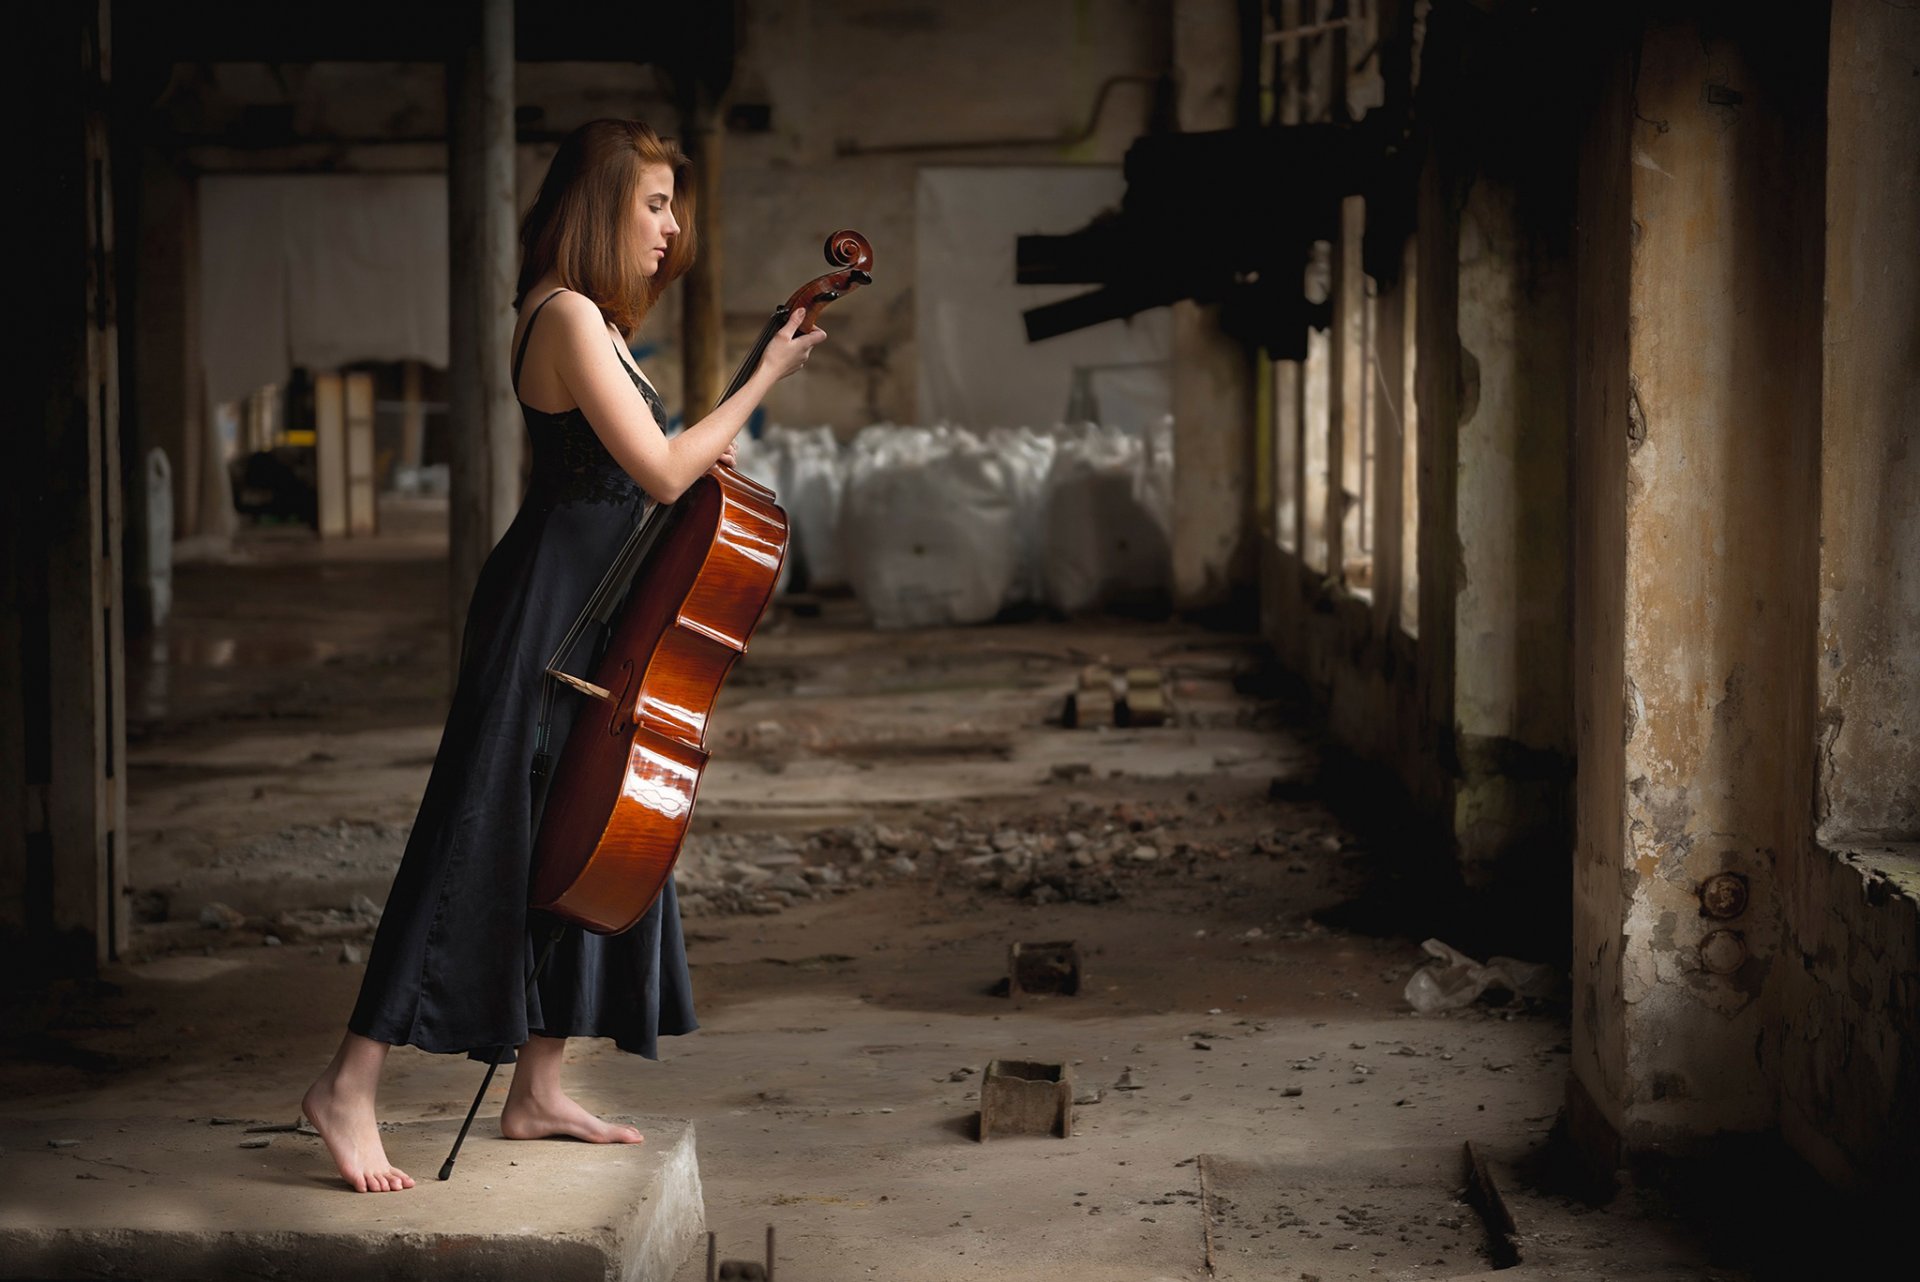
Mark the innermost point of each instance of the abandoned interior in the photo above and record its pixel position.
(1344, 700)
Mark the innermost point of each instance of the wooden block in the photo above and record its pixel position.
(330, 453)
(1146, 707)
(1025, 1097)
(362, 516)
(1087, 708)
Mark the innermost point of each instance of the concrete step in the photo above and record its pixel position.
(172, 1198)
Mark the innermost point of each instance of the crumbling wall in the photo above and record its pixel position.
(1849, 1065)
(1850, 1058)
(1869, 784)
(1712, 422)
(1011, 78)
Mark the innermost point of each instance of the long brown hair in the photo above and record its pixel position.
(577, 224)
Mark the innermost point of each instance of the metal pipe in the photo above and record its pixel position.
(845, 148)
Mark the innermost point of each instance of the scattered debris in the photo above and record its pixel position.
(61, 1143)
(284, 1128)
(1460, 980)
(352, 955)
(1503, 1237)
(217, 916)
(1127, 1081)
(262, 1142)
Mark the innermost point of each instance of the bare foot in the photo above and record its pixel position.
(352, 1137)
(534, 1118)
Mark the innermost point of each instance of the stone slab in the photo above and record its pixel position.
(170, 1198)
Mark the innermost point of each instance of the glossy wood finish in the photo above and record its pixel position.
(624, 787)
(846, 247)
(623, 790)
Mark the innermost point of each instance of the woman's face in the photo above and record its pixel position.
(653, 227)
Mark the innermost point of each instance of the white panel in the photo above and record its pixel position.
(976, 366)
(319, 270)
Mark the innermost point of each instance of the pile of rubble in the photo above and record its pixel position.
(1085, 855)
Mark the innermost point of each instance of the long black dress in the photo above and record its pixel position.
(456, 942)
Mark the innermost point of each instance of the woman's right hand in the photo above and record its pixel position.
(787, 350)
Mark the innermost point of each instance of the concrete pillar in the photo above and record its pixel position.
(1437, 415)
(1393, 323)
(63, 906)
(703, 313)
(484, 436)
(1697, 415)
(166, 315)
(1512, 701)
(1214, 454)
(1346, 366)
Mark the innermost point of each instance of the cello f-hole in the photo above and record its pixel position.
(620, 722)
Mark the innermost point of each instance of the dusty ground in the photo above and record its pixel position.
(885, 815)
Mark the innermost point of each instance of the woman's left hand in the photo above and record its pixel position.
(726, 455)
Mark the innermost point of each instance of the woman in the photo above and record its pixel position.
(610, 229)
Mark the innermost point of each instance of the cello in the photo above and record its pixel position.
(680, 601)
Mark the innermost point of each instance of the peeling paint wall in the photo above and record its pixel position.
(1850, 1022)
(1719, 420)
(1723, 365)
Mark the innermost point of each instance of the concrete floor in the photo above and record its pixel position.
(884, 816)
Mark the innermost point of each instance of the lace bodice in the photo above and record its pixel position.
(570, 465)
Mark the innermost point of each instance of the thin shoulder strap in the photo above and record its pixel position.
(520, 356)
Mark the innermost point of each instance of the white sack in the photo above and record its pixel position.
(1028, 456)
(764, 460)
(929, 526)
(812, 480)
(1108, 538)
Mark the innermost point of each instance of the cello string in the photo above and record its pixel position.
(626, 564)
